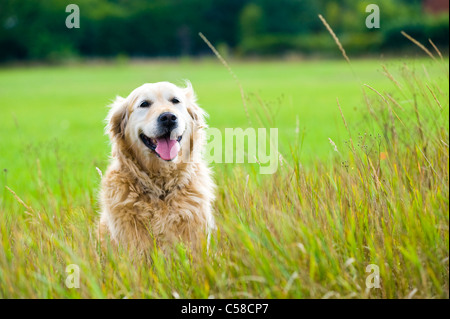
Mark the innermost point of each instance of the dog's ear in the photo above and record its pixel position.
(117, 119)
(196, 112)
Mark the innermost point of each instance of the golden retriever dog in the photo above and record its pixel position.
(157, 188)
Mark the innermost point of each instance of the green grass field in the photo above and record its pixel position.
(310, 230)
(67, 105)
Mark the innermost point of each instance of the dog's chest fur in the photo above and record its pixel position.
(164, 208)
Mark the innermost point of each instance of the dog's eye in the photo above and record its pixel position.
(145, 104)
(175, 100)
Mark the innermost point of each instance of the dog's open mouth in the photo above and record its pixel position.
(163, 146)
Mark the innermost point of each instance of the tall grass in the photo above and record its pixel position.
(303, 232)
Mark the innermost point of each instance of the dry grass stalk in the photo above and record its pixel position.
(378, 93)
(420, 45)
(345, 123)
(221, 59)
(391, 77)
(336, 39)
(395, 102)
(435, 98)
(21, 202)
(437, 50)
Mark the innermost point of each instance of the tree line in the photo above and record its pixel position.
(36, 30)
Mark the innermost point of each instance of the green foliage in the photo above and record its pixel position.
(35, 29)
(267, 44)
(434, 28)
(251, 21)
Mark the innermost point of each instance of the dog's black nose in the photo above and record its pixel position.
(167, 119)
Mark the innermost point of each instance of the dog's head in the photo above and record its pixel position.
(157, 122)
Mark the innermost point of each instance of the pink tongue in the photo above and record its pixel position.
(167, 148)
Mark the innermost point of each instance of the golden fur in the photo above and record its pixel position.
(144, 199)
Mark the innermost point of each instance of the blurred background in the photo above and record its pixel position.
(35, 29)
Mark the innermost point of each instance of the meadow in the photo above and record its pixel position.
(363, 182)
